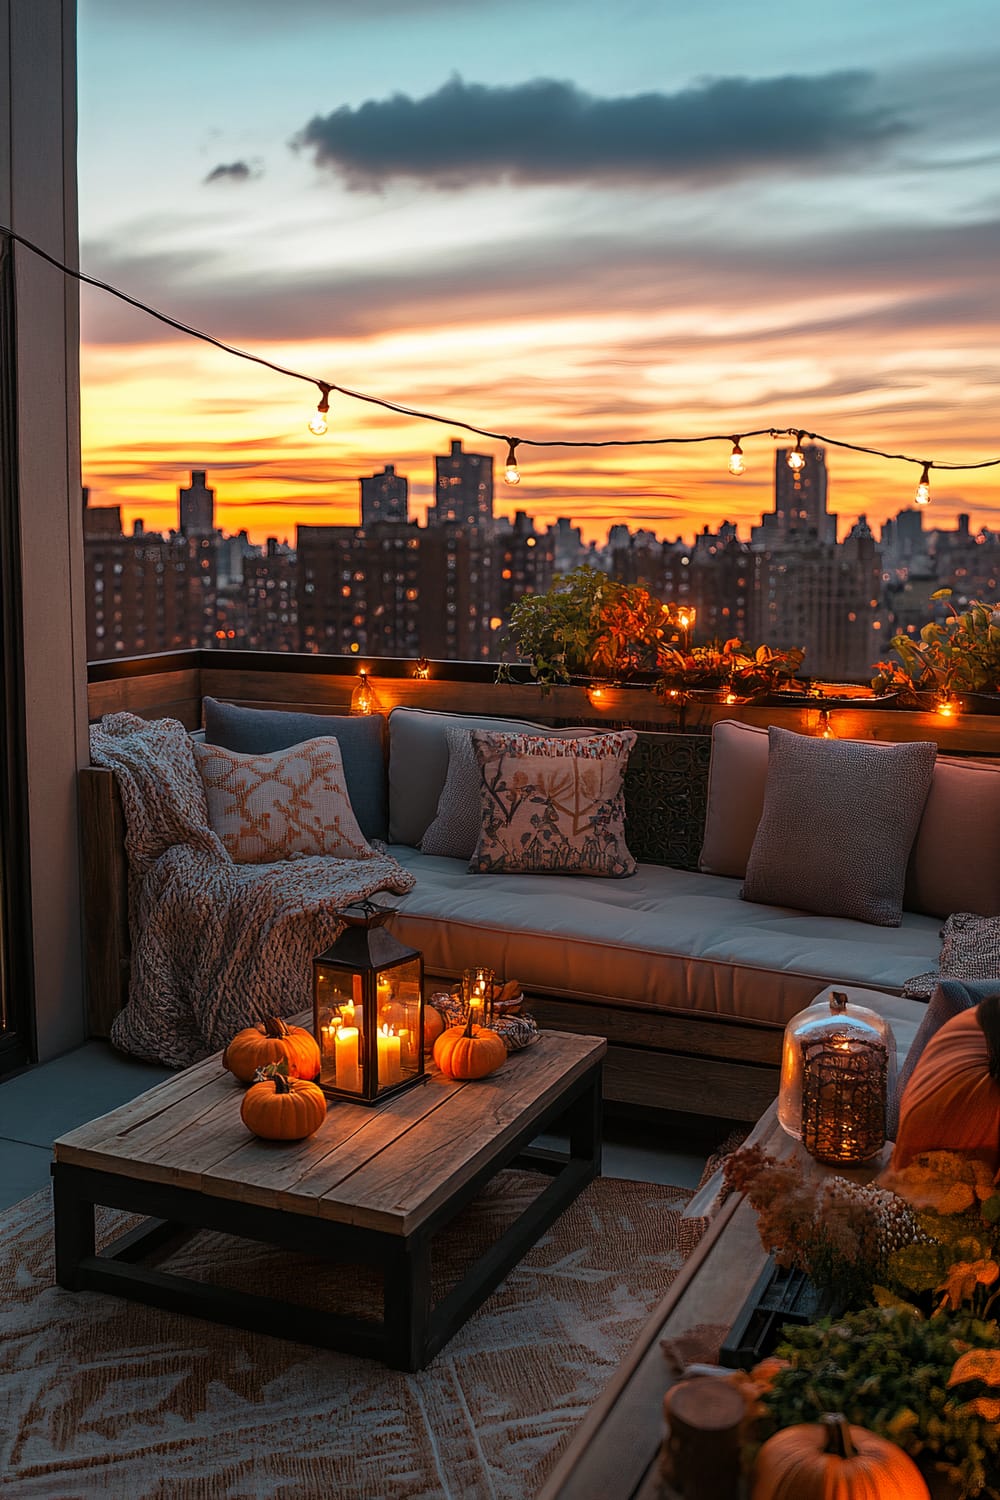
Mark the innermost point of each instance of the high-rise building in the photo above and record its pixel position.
(800, 511)
(463, 489)
(825, 597)
(384, 497)
(524, 562)
(197, 506)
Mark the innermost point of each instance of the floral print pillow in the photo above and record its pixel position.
(552, 806)
(273, 807)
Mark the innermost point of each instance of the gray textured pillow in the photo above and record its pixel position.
(455, 830)
(839, 820)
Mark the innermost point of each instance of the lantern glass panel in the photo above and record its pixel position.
(368, 1012)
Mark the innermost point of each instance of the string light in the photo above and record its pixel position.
(923, 495)
(317, 422)
(948, 708)
(736, 464)
(596, 695)
(826, 730)
(511, 473)
(796, 457)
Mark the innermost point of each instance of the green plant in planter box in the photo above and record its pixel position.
(930, 1385)
(589, 625)
(958, 655)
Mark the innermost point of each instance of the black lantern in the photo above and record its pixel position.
(368, 1009)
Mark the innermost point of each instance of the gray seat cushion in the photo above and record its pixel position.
(672, 940)
(259, 731)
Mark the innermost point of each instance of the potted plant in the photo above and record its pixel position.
(956, 657)
(735, 670)
(588, 625)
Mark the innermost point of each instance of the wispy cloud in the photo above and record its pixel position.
(233, 171)
(545, 130)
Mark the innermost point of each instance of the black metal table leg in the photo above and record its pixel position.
(407, 1304)
(74, 1230)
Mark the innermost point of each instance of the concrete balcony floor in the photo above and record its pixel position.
(44, 1102)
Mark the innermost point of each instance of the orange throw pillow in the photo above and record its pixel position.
(951, 1102)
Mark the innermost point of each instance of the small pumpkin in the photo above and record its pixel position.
(434, 1025)
(469, 1051)
(279, 1108)
(828, 1460)
(272, 1041)
(952, 1101)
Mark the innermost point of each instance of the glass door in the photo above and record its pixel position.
(16, 987)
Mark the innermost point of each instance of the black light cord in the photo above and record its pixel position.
(325, 387)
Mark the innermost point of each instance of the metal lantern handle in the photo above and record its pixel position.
(365, 914)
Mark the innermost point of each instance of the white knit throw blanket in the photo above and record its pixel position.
(215, 945)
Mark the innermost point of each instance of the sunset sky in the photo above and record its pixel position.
(558, 218)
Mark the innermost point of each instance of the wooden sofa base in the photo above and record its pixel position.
(726, 1069)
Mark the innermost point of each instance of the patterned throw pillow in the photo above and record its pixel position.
(552, 806)
(269, 807)
(839, 820)
(970, 951)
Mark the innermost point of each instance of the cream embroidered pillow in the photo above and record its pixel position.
(552, 806)
(268, 807)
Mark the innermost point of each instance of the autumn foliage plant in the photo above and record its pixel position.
(958, 655)
(595, 627)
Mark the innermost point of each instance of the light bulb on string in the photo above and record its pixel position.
(736, 464)
(923, 495)
(796, 458)
(511, 474)
(317, 422)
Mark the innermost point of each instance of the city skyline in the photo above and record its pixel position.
(627, 225)
(511, 501)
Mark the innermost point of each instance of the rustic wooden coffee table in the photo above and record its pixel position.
(372, 1187)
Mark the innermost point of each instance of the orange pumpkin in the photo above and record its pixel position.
(272, 1041)
(433, 1026)
(469, 1051)
(279, 1108)
(952, 1101)
(828, 1460)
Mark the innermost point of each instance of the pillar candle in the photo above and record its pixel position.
(389, 1070)
(348, 1065)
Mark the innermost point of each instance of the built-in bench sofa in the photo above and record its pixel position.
(691, 985)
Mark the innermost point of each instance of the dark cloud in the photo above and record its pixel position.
(234, 171)
(549, 131)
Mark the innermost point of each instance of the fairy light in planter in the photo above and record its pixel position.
(318, 424)
(948, 708)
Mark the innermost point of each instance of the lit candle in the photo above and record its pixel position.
(389, 1070)
(348, 1061)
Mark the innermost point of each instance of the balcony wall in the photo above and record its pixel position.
(174, 685)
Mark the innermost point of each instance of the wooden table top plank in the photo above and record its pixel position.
(295, 1175)
(406, 1187)
(168, 1095)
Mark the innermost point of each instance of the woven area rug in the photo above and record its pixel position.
(99, 1397)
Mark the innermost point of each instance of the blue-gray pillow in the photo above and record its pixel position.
(258, 731)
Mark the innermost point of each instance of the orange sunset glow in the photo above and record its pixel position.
(843, 284)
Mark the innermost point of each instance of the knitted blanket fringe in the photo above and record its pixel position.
(215, 945)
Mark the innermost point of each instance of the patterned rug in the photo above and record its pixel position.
(99, 1397)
